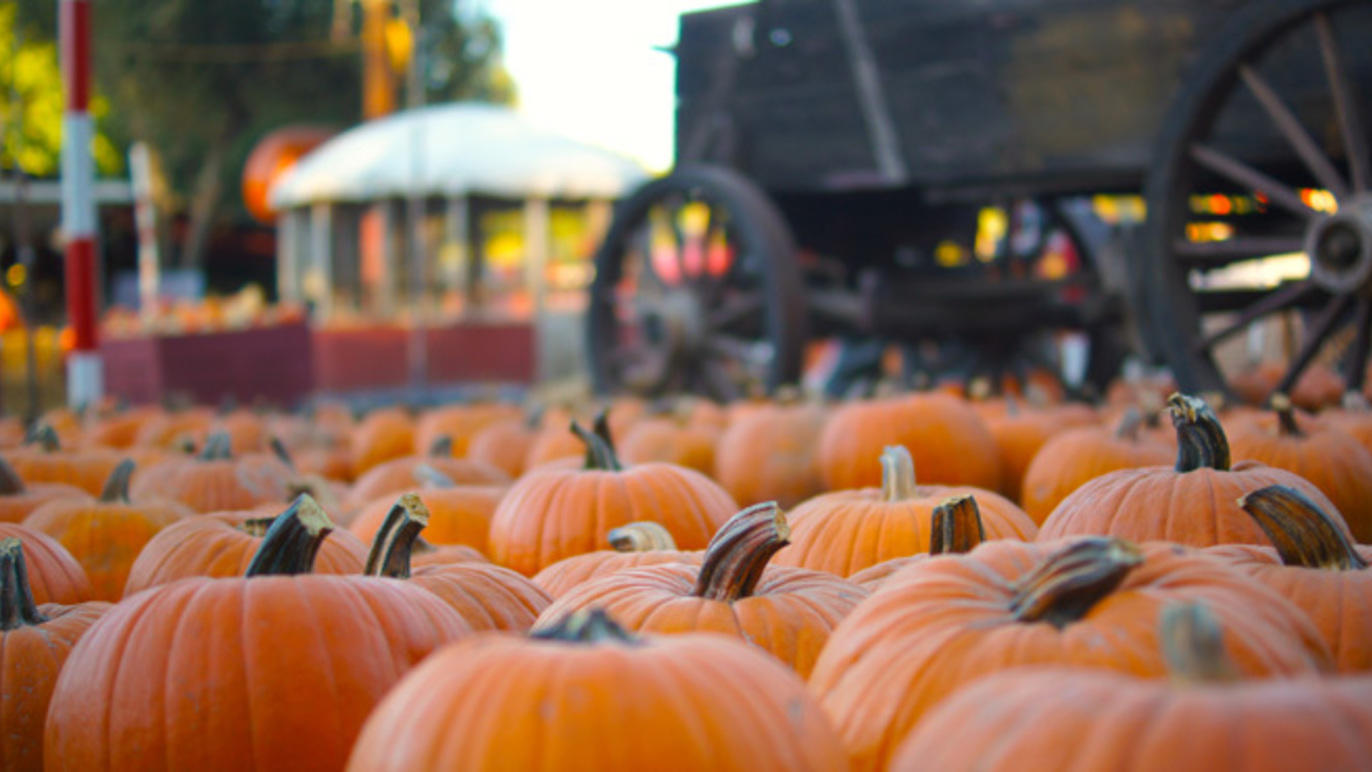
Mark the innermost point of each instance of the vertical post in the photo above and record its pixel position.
(287, 257)
(418, 259)
(145, 221)
(320, 284)
(84, 384)
(456, 255)
(535, 265)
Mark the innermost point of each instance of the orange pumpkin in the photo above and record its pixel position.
(1191, 503)
(1314, 566)
(1317, 387)
(36, 640)
(390, 478)
(1076, 456)
(460, 424)
(43, 460)
(1329, 458)
(381, 436)
(768, 454)
(119, 430)
(1091, 602)
(955, 528)
(17, 500)
(222, 544)
(950, 442)
(281, 657)
(105, 535)
(503, 444)
(54, 575)
(846, 531)
(215, 481)
(174, 430)
(458, 514)
(635, 544)
(789, 612)
(487, 596)
(585, 694)
(556, 513)
(1086, 718)
(670, 441)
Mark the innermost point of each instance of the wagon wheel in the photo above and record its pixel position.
(1276, 115)
(696, 289)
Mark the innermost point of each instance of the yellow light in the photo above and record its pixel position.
(1320, 200)
(992, 223)
(694, 218)
(16, 275)
(950, 254)
(1209, 231)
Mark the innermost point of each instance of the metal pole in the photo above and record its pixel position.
(145, 221)
(84, 384)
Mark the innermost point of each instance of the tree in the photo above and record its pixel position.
(203, 80)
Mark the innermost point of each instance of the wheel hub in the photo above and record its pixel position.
(680, 320)
(1340, 248)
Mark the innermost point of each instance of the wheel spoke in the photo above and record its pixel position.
(1314, 338)
(1232, 250)
(1350, 121)
(735, 310)
(1290, 127)
(1274, 301)
(714, 377)
(1362, 342)
(735, 348)
(1242, 174)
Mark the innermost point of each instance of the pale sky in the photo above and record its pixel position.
(588, 68)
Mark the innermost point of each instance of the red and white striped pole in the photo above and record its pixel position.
(84, 382)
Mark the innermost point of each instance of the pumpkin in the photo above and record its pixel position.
(1053, 718)
(105, 535)
(487, 596)
(950, 442)
(426, 554)
(459, 423)
(846, 531)
(1089, 602)
(955, 528)
(222, 544)
(635, 544)
(786, 611)
(1314, 566)
(551, 514)
(768, 454)
(1191, 503)
(119, 430)
(1329, 458)
(1355, 418)
(672, 441)
(54, 576)
(36, 640)
(458, 514)
(214, 480)
(381, 436)
(503, 444)
(42, 460)
(174, 430)
(277, 669)
(1076, 456)
(391, 478)
(246, 429)
(585, 694)
(1019, 435)
(1317, 387)
(17, 500)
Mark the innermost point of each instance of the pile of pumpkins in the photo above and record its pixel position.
(914, 581)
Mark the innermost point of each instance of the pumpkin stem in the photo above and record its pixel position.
(1355, 402)
(292, 540)
(1200, 438)
(442, 447)
(278, 449)
(1129, 425)
(1193, 645)
(256, 527)
(390, 552)
(217, 447)
(427, 475)
(533, 416)
(641, 536)
(956, 527)
(1286, 416)
(897, 474)
(116, 490)
(17, 608)
(10, 482)
(1303, 534)
(1066, 585)
(586, 626)
(739, 551)
(44, 436)
(599, 453)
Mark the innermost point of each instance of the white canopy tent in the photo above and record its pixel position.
(448, 155)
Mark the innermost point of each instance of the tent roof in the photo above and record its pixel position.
(463, 148)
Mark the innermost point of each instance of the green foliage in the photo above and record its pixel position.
(31, 104)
